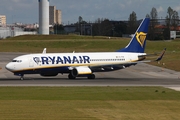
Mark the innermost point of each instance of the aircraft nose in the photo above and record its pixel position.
(9, 66)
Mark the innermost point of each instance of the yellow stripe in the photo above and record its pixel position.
(74, 65)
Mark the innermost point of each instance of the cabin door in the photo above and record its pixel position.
(130, 58)
(31, 63)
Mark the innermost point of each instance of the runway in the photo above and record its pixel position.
(139, 75)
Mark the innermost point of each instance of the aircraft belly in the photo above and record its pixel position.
(106, 68)
(43, 70)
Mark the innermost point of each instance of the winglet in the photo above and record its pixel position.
(44, 51)
(161, 56)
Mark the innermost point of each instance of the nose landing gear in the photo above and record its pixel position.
(22, 77)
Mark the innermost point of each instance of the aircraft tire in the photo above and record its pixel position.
(22, 78)
(70, 76)
(92, 76)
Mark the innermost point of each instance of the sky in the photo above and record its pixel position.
(26, 11)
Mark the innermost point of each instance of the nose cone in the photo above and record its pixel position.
(9, 67)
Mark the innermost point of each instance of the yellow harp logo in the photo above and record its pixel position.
(141, 36)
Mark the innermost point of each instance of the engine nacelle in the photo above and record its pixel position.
(81, 71)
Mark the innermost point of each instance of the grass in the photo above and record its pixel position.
(54, 37)
(89, 103)
(171, 58)
(69, 44)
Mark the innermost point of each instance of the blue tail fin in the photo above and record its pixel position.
(138, 42)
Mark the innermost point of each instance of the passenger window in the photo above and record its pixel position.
(17, 61)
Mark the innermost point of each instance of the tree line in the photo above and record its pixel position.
(106, 27)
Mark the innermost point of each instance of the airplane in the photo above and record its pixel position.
(83, 64)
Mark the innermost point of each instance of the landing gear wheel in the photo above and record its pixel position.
(22, 77)
(92, 76)
(70, 76)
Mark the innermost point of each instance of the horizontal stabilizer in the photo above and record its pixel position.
(161, 56)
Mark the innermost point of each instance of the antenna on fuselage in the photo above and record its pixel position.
(44, 51)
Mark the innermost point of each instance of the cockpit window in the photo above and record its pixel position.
(14, 60)
(17, 61)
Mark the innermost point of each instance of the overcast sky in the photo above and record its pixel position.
(26, 11)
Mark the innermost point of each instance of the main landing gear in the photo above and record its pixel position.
(90, 76)
(70, 76)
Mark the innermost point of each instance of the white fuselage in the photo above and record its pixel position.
(71, 60)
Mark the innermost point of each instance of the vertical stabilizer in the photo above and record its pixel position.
(138, 42)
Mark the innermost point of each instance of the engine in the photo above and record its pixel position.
(81, 71)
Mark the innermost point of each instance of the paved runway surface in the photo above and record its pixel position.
(139, 75)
